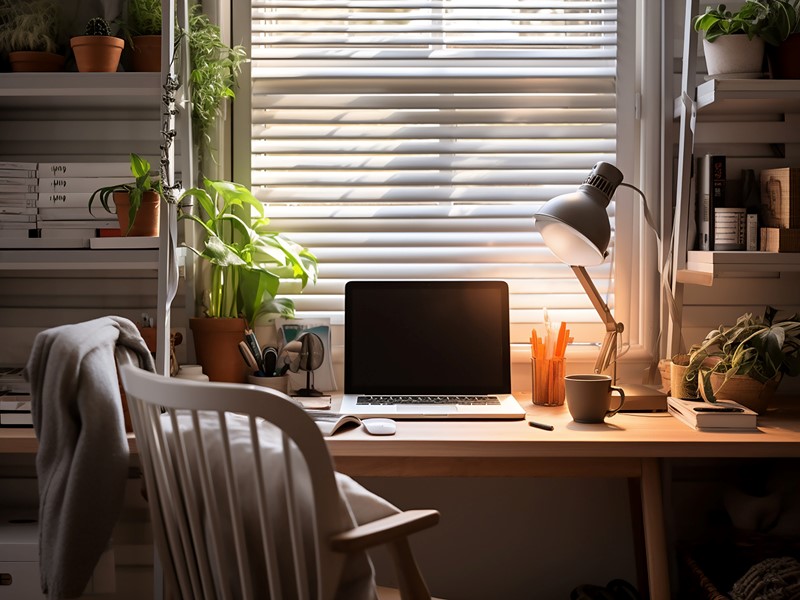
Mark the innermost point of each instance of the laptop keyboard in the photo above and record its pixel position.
(466, 400)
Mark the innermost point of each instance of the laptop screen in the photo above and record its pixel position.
(427, 337)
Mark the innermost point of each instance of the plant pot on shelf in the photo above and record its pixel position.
(784, 59)
(35, 62)
(146, 53)
(743, 389)
(734, 56)
(147, 217)
(216, 346)
(97, 53)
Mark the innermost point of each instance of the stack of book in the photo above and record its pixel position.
(15, 398)
(63, 200)
(719, 416)
(18, 191)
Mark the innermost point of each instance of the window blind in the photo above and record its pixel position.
(417, 138)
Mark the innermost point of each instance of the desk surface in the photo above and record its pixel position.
(647, 435)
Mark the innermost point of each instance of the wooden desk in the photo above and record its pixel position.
(627, 445)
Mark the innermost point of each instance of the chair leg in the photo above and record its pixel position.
(412, 585)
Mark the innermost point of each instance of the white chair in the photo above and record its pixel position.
(250, 508)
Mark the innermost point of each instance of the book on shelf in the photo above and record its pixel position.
(43, 244)
(78, 184)
(68, 234)
(80, 224)
(720, 415)
(64, 199)
(17, 210)
(711, 178)
(17, 218)
(69, 213)
(19, 166)
(9, 196)
(13, 200)
(18, 187)
(329, 422)
(15, 409)
(15, 234)
(18, 173)
(88, 169)
(11, 380)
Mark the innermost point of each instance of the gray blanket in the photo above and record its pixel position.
(82, 462)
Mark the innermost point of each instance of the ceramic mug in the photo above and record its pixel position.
(589, 397)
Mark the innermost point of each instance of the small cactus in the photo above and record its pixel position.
(98, 26)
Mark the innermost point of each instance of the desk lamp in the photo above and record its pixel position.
(575, 227)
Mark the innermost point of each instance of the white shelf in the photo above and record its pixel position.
(746, 96)
(78, 260)
(703, 267)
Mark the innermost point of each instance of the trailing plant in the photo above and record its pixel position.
(247, 261)
(31, 25)
(98, 26)
(718, 21)
(214, 67)
(144, 182)
(777, 19)
(761, 347)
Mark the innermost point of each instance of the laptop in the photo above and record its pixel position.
(428, 350)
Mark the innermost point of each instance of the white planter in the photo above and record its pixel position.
(731, 55)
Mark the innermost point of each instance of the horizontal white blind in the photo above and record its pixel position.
(416, 139)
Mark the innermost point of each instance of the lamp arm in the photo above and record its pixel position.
(609, 348)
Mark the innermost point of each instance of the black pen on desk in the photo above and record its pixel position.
(541, 426)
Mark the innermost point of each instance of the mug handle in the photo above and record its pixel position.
(614, 388)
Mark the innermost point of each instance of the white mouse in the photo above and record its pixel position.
(378, 426)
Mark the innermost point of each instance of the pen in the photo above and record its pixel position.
(540, 426)
(255, 348)
(718, 409)
(248, 357)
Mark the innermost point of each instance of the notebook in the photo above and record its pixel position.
(428, 350)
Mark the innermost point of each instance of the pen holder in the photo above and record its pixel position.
(276, 383)
(547, 378)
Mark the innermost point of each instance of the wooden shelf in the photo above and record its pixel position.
(703, 267)
(743, 96)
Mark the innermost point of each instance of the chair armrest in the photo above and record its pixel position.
(384, 530)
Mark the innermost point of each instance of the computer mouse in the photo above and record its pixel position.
(379, 426)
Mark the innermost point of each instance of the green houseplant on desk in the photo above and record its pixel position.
(746, 361)
(247, 262)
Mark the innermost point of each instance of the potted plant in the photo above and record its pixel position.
(214, 67)
(97, 50)
(746, 361)
(731, 42)
(247, 263)
(779, 27)
(137, 204)
(28, 35)
(143, 31)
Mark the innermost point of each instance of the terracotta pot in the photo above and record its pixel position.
(784, 60)
(97, 53)
(146, 53)
(35, 62)
(743, 389)
(216, 345)
(734, 55)
(147, 218)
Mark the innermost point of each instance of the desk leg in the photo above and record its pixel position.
(655, 540)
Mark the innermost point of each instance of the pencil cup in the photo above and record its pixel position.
(547, 377)
(276, 383)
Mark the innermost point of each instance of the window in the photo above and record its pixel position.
(416, 139)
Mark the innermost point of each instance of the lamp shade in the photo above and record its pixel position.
(575, 226)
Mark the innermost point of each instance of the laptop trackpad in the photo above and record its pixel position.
(423, 409)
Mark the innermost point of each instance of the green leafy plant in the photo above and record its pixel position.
(144, 182)
(30, 25)
(761, 347)
(719, 21)
(247, 260)
(97, 26)
(777, 19)
(144, 17)
(214, 67)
